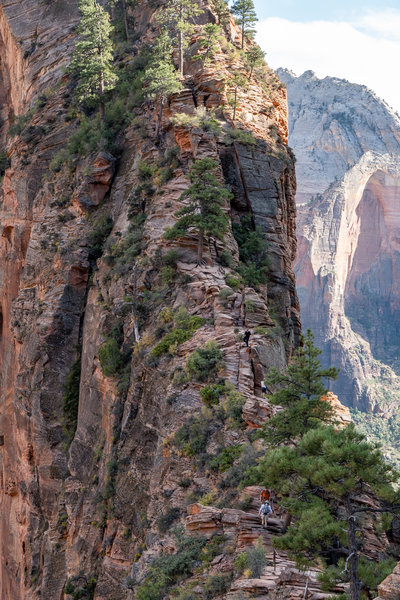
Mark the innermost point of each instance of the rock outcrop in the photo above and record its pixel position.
(347, 144)
(82, 269)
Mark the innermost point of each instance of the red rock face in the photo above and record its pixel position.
(55, 518)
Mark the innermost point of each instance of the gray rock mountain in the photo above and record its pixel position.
(347, 145)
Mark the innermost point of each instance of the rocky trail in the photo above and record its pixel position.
(243, 529)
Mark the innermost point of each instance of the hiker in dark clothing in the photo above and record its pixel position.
(246, 337)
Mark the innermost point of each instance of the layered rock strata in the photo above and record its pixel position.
(88, 507)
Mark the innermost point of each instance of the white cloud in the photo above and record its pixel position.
(363, 52)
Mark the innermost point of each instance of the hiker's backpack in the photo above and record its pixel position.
(267, 509)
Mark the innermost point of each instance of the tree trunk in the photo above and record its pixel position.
(243, 33)
(102, 111)
(125, 20)
(180, 46)
(200, 247)
(158, 128)
(353, 556)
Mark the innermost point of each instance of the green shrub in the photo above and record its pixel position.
(168, 275)
(253, 560)
(210, 394)
(232, 282)
(192, 437)
(225, 293)
(226, 259)
(167, 569)
(253, 252)
(70, 401)
(225, 459)
(186, 326)
(215, 585)
(165, 520)
(233, 408)
(110, 357)
(146, 170)
(206, 362)
(101, 230)
(239, 135)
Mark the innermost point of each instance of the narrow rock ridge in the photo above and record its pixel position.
(94, 507)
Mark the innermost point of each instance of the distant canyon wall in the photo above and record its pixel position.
(347, 145)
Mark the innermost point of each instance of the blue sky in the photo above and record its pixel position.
(358, 40)
(314, 10)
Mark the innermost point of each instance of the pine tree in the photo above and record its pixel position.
(300, 391)
(254, 57)
(204, 213)
(237, 82)
(160, 75)
(321, 482)
(209, 43)
(178, 16)
(92, 60)
(246, 17)
(221, 9)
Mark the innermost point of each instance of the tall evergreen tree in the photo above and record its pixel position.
(160, 76)
(92, 60)
(204, 213)
(209, 43)
(322, 483)
(246, 17)
(254, 57)
(237, 82)
(178, 16)
(221, 9)
(300, 391)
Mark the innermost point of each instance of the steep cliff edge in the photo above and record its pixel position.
(347, 147)
(89, 413)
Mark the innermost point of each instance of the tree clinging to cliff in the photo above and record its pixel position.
(246, 17)
(178, 16)
(92, 60)
(204, 212)
(160, 76)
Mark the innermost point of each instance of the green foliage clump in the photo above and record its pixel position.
(110, 357)
(253, 561)
(253, 252)
(70, 401)
(300, 391)
(192, 437)
(254, 57)
(201, 117)
(233, 282)
(165, 520)
(92, 60)
(20, 122)
(168, 569)
(206, 362)
(225, 459)
(186, 325)
(204, 212)
(221, 9)
(246, 17)
(241, 136)
(102, 227)
(210, 394)
(215, 585)
(209, 43)
(81, 587)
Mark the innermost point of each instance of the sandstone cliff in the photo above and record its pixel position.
(347, 147)
(82, 266)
